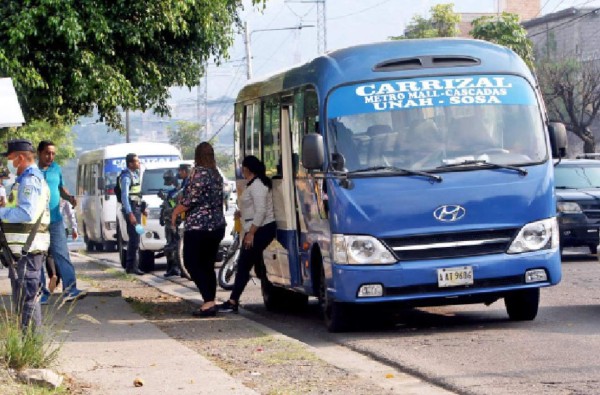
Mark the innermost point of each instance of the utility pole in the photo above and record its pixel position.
(321, 26)
(206, 102)
(248, 44)
(248, 55)
(127, 126)
(321, 23)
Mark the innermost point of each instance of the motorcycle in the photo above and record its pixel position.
(228, 269)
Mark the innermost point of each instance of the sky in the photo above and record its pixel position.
(348, 22)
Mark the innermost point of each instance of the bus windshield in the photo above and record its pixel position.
(429, 123)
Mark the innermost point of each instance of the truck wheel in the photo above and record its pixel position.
(335, 314)
(89, 245)
(146, 260)
(522, 305)
(593, 249)
(121, 249)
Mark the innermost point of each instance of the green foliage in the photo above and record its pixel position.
(65, 57)
(185, 137)
(21, 349)
(36, 131)
(225, 163)
(507, 31)
(443, 23)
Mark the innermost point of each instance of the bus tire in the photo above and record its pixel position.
(121, 248)
(146, 261)
(522, 305)
(335, 315)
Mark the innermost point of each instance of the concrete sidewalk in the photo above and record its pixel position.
(108, 346)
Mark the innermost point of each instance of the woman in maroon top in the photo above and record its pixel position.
(202, 202)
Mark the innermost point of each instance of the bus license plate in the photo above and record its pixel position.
(455, 276)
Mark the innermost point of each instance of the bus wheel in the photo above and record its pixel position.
(335, 314)
(146, 260)
(522, 305)
(121, 249)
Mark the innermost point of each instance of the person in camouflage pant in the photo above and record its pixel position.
(171, 233)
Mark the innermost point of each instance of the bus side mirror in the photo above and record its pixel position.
(312, 151)
(558, 139)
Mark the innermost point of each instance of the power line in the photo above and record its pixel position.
(565, 22)
(221, 128)
(358, 12)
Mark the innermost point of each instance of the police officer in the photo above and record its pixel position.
(26, 207)
(171, 232)
(131, 200)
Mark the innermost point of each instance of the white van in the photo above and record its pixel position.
(153, 240)
(97, 173)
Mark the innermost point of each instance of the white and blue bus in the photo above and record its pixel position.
(97, 173)
(413, 172)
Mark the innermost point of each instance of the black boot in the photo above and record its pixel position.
(134, 269)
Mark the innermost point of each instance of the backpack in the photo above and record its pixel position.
(118, 188)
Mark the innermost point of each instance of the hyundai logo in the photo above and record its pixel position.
(449, 213)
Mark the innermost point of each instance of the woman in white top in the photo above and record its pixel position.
(258, 221)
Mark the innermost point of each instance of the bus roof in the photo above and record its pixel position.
(392, 59)
(121, 150)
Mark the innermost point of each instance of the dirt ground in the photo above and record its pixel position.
(268, 364)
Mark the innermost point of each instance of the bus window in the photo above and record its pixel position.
(252, 130)
(311, 111)
(271, 136)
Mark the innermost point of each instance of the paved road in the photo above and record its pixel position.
(475, 349)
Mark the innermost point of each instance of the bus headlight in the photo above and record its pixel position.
(360, 250)
(535, 236)
(568, 208)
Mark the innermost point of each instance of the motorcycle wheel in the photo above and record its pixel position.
(227, 271)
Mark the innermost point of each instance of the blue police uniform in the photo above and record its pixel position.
(27, 203)
(131, 200)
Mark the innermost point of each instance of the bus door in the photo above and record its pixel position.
(281, 256)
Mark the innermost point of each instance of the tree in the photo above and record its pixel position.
(571, 90)
(36, 131)
(185, 137)
(442, 23)
(505, 30)
(67, 57)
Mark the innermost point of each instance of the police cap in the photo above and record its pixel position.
(185, 166)
(18, 145)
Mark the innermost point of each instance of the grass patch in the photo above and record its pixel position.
(120, 274)
(22, 349)
(89, 280)
(277, 351)
(143, 308)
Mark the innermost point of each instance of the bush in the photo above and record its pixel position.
(22, 349)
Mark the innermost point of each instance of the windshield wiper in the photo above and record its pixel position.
(480, 162)
(394, 169)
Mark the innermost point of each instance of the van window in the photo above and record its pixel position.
(152, 180)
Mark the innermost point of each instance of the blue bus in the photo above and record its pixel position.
(413, 172)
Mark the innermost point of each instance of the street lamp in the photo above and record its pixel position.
(248, 37)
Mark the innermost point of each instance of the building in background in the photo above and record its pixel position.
(526, 9)
(571, 33)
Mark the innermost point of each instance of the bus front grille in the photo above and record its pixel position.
(451, 245)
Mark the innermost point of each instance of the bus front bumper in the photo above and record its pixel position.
(418, 282)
